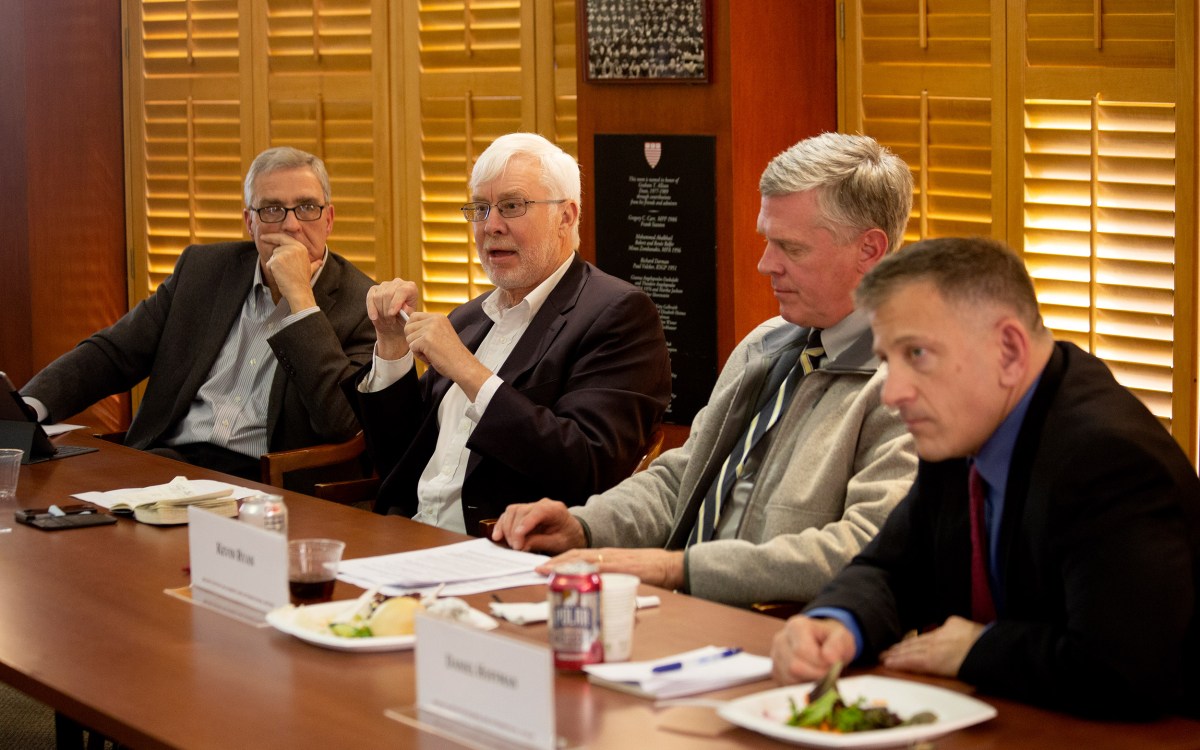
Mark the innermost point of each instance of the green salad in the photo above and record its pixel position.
(828, 712)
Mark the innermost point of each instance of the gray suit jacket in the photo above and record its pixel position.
(174, 336)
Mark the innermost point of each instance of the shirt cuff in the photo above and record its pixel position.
(845, 617)
(483, 398)
(384, 372)
(298, 316)
(42, 412)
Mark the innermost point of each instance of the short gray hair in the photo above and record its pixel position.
(560, 172)
(859, 183)
(965, 270)
(284, 157)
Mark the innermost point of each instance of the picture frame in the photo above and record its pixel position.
(645, 41)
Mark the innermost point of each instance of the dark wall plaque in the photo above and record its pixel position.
(656, 227)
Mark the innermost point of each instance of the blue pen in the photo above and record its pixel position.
(672, 666)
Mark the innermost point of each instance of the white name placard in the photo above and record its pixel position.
(237, 561)
(492, 684)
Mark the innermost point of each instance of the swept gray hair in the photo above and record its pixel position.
(859, 183)
(284, 157)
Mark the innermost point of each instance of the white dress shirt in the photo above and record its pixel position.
(439, 490)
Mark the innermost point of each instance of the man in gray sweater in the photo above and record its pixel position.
(795, 462)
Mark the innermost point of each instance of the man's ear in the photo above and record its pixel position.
(1014, 349)
(246, 218)
(873, 246)
(569, 215)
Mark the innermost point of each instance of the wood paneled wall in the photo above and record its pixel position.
(774, 82)
(62, 166)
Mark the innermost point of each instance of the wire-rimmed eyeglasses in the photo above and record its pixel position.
(509, 208)
(276, 214)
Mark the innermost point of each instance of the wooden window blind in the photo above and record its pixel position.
(397, 96)
(185, 159)
(326, 74)
(480, 71)
(211, 83)
(1058, 126)
(923, 85)
(1099, 234)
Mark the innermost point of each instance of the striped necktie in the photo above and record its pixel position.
(764, 420)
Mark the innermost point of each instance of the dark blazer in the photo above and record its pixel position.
(174, 336)
(1099, 552)
(583, 390)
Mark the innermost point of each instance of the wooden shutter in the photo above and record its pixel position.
(921, 83)
(1099, 234)
(326, 77)
(474, 71)
(214, 82)
(186, 132)
(1060, 127)
(1099, 185)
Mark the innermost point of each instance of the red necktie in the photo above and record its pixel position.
(983, 609)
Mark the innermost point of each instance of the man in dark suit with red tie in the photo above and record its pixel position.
(1049, 550)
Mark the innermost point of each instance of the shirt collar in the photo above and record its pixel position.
(838, 337)
(532, 301)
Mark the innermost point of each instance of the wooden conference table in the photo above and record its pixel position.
(86, 628)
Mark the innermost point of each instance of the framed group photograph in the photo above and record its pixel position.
(649, 41)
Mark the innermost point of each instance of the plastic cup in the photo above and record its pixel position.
(312, 569)
(618, 605)
(10, 469)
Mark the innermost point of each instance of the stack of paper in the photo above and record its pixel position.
(460, 569)
(700, 671)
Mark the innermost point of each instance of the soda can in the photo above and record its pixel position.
(265, 511)
(575, 635)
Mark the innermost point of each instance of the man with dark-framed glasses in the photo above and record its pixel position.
(244, 344)
(549, 385)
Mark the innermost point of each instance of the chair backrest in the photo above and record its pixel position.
(653, 448)
(327, 455)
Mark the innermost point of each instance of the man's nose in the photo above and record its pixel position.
(767, 263)
(897, 388)
(290, 223)
(494, 222)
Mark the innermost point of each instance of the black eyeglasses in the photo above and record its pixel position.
(276, 214)
(510, 208)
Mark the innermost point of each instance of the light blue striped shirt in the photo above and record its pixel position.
(230, 409)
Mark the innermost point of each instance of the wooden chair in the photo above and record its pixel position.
(316, 463)
(780, 609)
(653, 448)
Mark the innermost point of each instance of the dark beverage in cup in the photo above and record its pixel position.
(311, 590)
(312, 569)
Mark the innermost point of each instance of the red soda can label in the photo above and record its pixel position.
(575, 635)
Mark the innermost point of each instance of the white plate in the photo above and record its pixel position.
(768, 712)
(311, 623)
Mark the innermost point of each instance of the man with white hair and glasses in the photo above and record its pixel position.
(244, 344)
(549, 385)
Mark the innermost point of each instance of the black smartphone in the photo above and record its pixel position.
(71, 517)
